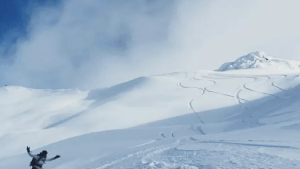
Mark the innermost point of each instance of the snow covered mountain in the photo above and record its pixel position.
(260, 60)
(248, 117)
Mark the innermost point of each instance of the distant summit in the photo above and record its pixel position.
(260, 60)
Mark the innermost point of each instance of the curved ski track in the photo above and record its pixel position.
(235, 96)
(272, 83)
(253, 80)
(191, 102)
(245, 87)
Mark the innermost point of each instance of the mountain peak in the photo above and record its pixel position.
(260, 60)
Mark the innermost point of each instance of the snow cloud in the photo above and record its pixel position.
(92, 43)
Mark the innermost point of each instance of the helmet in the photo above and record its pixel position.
(44, 152)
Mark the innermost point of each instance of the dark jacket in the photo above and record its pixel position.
(40, 159)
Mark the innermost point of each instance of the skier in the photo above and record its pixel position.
(39, 159)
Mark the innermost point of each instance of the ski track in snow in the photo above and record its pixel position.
(247, 144)
(140, 145)
(205, 89)
(255, 78)
(204, 155)
(190, 104)
(238, 99)
(245, 87)
(214, 82)
(121, 162)
(253, 90)
(273, 83)
(236, 96)
(163, 135)
(245, 84)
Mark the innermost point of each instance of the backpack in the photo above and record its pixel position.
(34, 162)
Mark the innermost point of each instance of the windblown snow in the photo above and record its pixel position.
(245, 118)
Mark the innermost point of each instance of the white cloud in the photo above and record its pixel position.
(89, 44)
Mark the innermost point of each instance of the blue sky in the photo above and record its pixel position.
(13, 21)
(15, 16)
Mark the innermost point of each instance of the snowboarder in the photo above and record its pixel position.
(39, 159)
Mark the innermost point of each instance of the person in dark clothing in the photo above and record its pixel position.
(39, 160)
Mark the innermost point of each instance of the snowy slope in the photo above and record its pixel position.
(248, 118)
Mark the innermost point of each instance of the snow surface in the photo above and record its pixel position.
(238, 119)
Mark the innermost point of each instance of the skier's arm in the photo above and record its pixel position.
(53, 158)
(30, 154)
